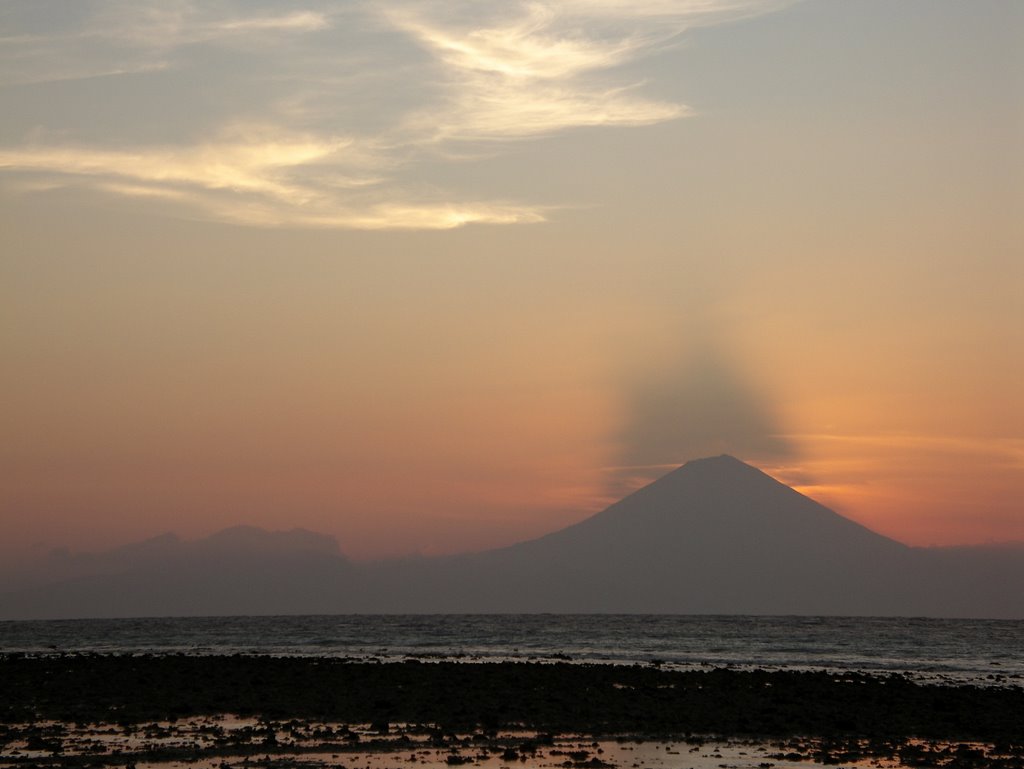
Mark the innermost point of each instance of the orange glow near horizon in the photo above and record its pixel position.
(919, 490)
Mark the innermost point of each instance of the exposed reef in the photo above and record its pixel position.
(598, 700)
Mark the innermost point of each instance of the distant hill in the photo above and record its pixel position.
(240, 570)
(715, 536)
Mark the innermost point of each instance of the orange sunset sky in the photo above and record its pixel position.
(440, 276)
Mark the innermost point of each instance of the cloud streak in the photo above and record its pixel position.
(1007, 453)
(137, 38)
(259, 181)
(485, 74)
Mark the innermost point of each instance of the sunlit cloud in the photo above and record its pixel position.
(243, 167)
(506, 110)
(530, 70)
(525, 47)
(261, 181)
(303, 21)
(409, 215)
(330, 152)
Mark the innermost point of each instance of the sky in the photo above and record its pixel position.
(434, 276)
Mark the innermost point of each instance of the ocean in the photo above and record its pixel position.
(975, 651)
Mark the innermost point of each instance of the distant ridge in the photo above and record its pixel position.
(715, 536)
(239, 570)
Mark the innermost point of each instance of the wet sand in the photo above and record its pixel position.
(95, 710)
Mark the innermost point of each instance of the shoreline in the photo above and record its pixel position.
(596, 700)
(927, 651)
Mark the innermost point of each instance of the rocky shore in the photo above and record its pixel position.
(345, 705)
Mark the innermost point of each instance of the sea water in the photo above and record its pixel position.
(976, 651)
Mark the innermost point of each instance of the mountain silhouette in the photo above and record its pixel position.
(240, 570)
(715, 536)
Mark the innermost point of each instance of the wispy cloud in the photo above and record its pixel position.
(482, 72)
(245, 167)
(131, 38)
(1006, 452)
(300, 21)
(849, 465)
(529, 70)
(257, 178)
(169, 25)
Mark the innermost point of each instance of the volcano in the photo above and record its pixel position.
(715, 536)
